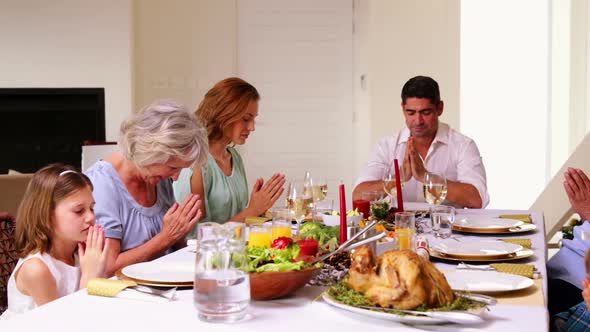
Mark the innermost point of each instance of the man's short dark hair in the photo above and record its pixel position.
(421, 87)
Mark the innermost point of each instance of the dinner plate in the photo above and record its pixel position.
(121, 276)
(488, 225)
(486, 281)
(483, 249)
(517, 255)
(400, 318)
(161, 272)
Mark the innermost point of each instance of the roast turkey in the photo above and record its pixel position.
(398, 279)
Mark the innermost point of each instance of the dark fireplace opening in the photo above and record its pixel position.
(40, 126)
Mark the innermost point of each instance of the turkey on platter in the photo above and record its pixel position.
(398, 279)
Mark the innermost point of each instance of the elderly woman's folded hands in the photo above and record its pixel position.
(181, 218)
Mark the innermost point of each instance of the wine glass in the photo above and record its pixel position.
(434, 188)
(299, 201)
(318, 187)
(389, 182)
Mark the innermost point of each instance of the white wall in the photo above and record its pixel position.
(69, 43)
(397, 40)
(182, 48)
(299, 56)
(505, 95)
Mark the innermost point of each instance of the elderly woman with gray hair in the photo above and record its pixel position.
(133, 187)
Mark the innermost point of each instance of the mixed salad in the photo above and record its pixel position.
(327, 236)
(285, 254)
(281, 256)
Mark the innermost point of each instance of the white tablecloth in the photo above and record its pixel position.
(303, 312)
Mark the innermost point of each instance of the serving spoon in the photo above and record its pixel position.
(344, 246)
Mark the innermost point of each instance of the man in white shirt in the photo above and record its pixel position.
(427, 145)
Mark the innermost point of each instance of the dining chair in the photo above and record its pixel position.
(8, 257)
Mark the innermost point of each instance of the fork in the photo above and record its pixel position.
(465, 266)
(168, 294)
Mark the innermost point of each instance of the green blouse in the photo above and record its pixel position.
(225, 196)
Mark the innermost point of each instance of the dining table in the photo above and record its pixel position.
(305, 310)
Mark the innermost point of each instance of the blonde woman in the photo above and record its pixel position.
(229, 112)
(133, 188)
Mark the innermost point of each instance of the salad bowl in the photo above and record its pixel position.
(276, 284)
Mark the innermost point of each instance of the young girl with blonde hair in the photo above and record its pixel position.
(59, 246)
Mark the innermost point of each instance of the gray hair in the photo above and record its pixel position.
(161, 131)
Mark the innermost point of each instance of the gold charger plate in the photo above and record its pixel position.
(119, 274)
(518, 229)
(509, 257)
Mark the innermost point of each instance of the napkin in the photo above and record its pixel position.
(256, 220)
(525, 270)
(107, 287)
(522, 217)
(119, 289)
(525, 243)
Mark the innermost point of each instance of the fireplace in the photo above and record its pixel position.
(39, 126)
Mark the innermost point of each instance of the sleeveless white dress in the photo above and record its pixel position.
(67, 280)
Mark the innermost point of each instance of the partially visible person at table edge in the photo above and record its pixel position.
(228, 110)
(427, 145)
(134, 198)
(568, 282)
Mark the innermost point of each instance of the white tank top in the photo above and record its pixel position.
(67, 280)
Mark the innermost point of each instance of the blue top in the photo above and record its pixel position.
(119, 214)
(568, 263)
(225, 196)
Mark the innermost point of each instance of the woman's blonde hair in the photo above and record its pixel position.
(47, 188)
(224, 104)
(162, 131)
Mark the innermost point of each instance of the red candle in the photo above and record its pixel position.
(398, 186)
(342, 214)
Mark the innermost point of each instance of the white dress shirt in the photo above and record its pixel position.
(451, 154)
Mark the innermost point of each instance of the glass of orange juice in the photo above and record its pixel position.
(259, 236)
(405, 228)
(281, 228)
(281, 223)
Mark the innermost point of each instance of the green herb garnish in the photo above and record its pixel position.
(341, 292)
(379, 210)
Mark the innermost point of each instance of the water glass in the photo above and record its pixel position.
(323, 207)
(234, 230)
(443, 218)
(222, 285)
(405, 228)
